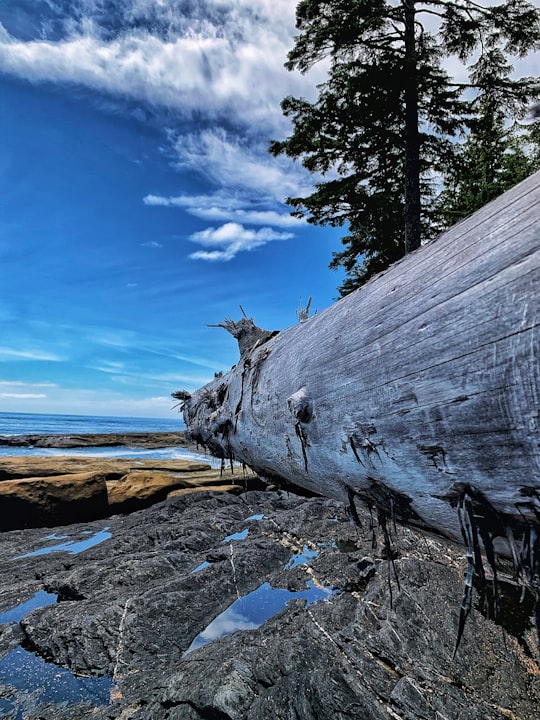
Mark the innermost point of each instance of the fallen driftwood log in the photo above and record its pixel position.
(417, 394)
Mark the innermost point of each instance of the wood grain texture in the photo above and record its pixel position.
(422, 383)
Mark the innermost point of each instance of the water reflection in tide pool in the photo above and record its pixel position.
(252, 610)
(35, 681)
(301, 558)
(72, 546)
(242, 535)
(16, 614)
(26, 680)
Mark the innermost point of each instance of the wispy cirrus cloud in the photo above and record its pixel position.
(19, 390)
(22, 384)
(109, 367)
(165, 380)
(23, 396)
(241, 165)
(7, 353)
(231, 239)
(222, 207)
(152, 244)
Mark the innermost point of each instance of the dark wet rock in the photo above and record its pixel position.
(134, 440)
(381, 647)
(11, 636)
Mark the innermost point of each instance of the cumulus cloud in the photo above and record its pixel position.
(231, 239)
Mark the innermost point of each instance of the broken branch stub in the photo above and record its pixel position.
(245, 332)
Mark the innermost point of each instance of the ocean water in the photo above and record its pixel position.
(42, 424)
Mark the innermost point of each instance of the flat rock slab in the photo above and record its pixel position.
(46, 501)
(380, 647)
(23, 466)
(48, 491)
(141, 488)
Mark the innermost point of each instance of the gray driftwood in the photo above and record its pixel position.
(417, 394)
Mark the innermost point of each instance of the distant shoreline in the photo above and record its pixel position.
(150, 440)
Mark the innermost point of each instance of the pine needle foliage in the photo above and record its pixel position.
(385, 127)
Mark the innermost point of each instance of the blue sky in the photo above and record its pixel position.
(138, 201)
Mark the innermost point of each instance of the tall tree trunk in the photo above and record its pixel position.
(416, 392)
(412, 138)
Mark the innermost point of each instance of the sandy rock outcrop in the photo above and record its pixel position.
(141, 488)
(234, 489)
(53, 490)
(49, 501)
(24, 466)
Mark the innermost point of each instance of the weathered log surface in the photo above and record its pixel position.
(411, 393)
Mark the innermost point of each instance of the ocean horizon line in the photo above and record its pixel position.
(15, 423)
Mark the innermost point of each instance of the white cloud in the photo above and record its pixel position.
(91, 402)
(21, 384)
(241, 166)
(219, 206)
(10, 353)
(210, 364)
(113, 337)
(252, 185)
(226, 60)
(165, 380)
(23, 396)
(110, 367)
(232, 238)
(221, 63)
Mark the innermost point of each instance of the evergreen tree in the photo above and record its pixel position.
(495, 155)
(382, 130)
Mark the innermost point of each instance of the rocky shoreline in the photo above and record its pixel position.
(47, 491)
(379, 646)
(53, 491)
(134, 439)
(196, 601)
